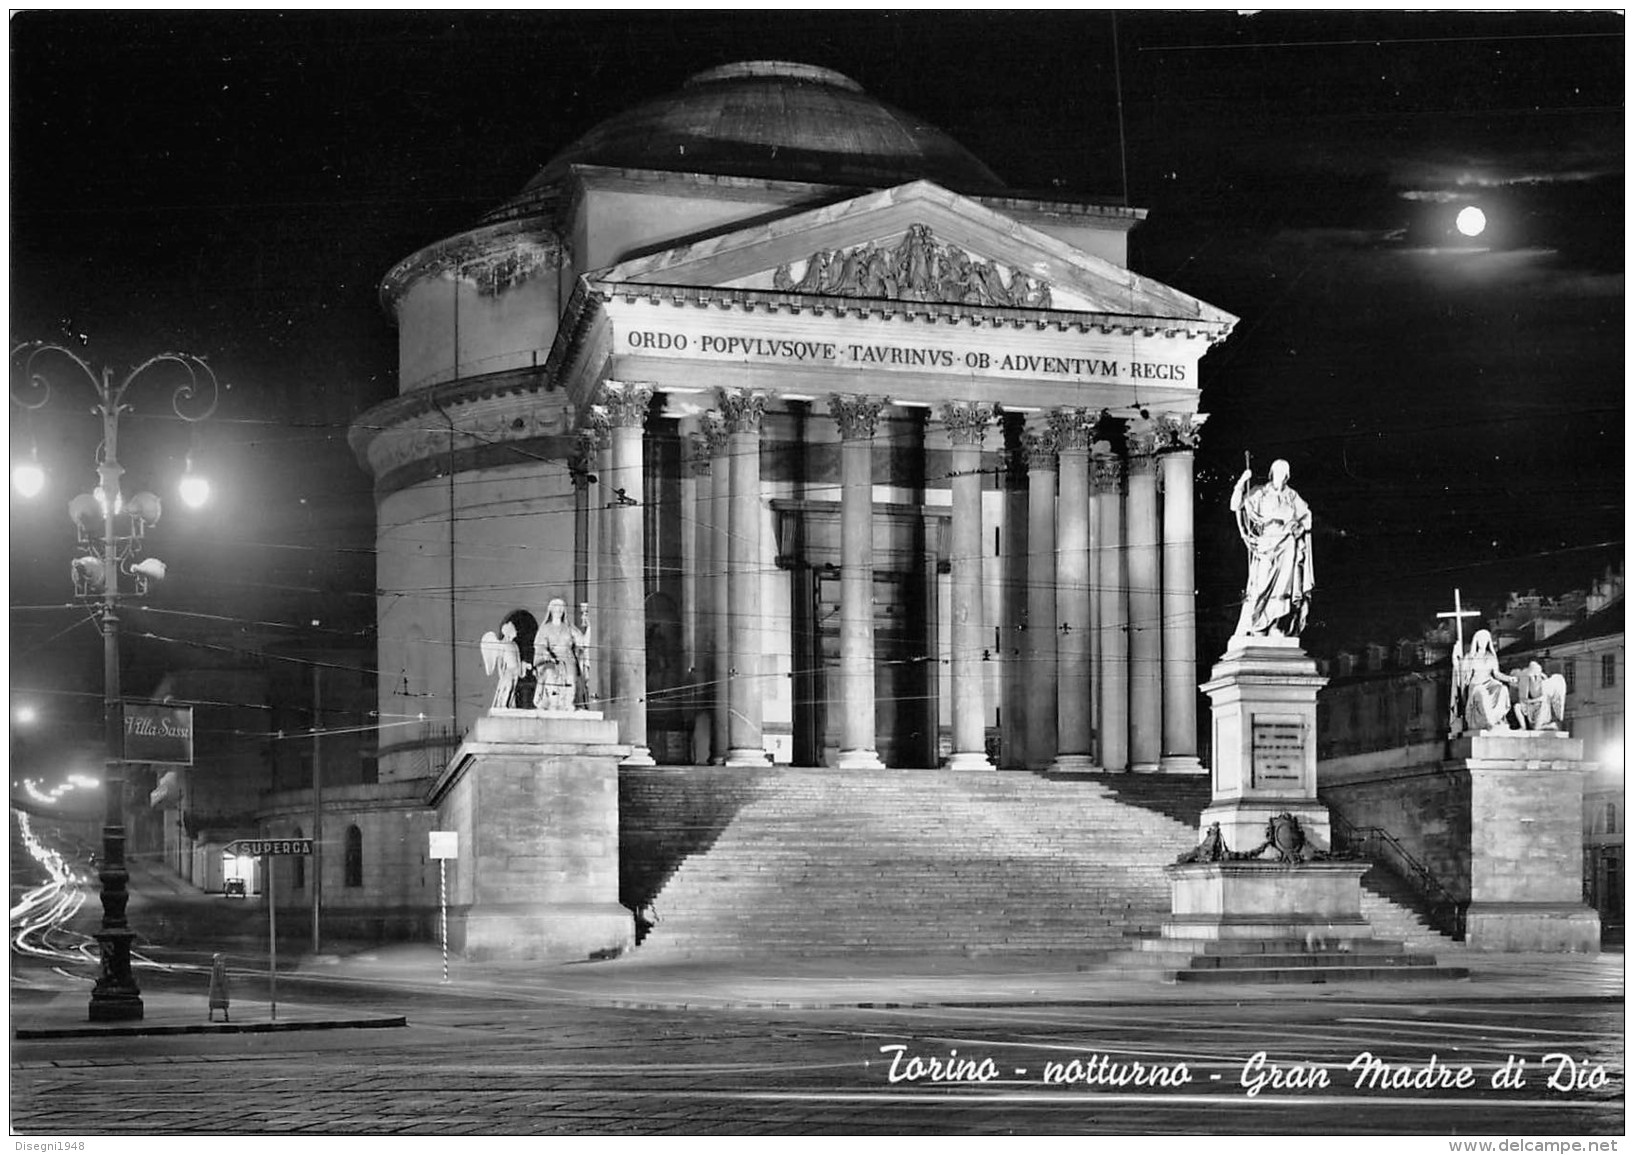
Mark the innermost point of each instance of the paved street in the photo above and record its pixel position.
(525, 1059)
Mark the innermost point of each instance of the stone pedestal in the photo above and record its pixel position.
(1263, 692)
(533, 795)
(1267, 900)
(1526, 841)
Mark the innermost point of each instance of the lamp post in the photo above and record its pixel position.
(116, 997)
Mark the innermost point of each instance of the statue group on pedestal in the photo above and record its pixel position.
(560, 665)
(1481, 698)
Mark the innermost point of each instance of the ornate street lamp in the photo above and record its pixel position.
(110, 530)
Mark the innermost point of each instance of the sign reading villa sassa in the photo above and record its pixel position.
(155, 733)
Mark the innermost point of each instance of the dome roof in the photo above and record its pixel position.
(780, 121)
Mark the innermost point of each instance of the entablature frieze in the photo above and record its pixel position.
(925, 360)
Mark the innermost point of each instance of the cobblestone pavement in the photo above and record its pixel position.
(490, 1064)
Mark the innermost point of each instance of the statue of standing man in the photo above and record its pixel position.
(1275, 524)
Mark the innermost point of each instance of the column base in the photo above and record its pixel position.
(1145, 767)
(858, 760)
(748, 756)
(639, 756)
(1181, 764)
(968, 760)
(1074, 764)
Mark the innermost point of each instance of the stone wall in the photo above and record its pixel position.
(1424, 807)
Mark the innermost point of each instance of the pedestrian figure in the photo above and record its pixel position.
(218, 988)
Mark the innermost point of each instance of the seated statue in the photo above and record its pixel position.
(1480, 689)
(1540, 700)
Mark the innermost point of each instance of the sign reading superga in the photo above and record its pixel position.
(155, 733)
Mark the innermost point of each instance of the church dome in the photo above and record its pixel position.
(781, 121)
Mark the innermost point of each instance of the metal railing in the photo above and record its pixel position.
(1444, 910)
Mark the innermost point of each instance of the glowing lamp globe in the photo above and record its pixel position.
(194, 490)
(28, 478)
(1471, 221)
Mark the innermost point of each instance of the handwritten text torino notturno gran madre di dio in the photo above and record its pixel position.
(1259, 1072)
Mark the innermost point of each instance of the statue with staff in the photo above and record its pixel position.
(1275, 525)
(561, 657)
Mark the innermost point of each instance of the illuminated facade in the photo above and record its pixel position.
(857, 457)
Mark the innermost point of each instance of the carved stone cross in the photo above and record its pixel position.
(1458, 613)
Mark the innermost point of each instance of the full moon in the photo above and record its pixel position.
(1471, 221)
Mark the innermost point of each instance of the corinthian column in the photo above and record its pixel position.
(966, 423)
(624, 616)
(1145, 601)
(742, 411)
(1041, 676)
(719, 596)
(1178, 434)
(1072, 580)
(1107, 479)
(857, 417)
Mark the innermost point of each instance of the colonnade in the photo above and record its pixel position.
(1108, 656)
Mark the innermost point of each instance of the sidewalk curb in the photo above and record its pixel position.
(207, 1028)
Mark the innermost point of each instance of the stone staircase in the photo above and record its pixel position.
(919, 861)
(1279, 961)
(827, 861)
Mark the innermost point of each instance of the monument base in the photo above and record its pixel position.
(547, 932)
(1243, 821)
(1563, 928)
(533, 797)
(1271, 900)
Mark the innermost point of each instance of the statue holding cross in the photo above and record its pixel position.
(1480, 690)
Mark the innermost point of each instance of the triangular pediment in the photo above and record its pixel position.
(916, 242)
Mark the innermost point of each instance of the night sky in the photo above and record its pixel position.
(236, 185)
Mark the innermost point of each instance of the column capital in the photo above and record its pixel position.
(1143, 437)
(623, 404)
(1179, 432)
(698, 454)
(857, 414)
(966, 421)
(1074, 428)
(741, 409)
(1105, 468)
(712, 435)
(1038, 450)
(581, 464)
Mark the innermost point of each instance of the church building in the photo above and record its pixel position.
(856, 457)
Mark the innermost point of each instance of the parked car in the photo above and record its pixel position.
(235, 888)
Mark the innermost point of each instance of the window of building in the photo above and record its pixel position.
(1381, 707)
(1611, 818)
(300, 864)
(354, 856)
(1568, 670)
(1416, 701)
(1608, 670)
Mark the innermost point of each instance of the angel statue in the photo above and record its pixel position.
(1540, 700)
(1275, 524)
(1480, 689)
(500, 654)
(561, 657)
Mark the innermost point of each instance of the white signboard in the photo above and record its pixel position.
(445, 844)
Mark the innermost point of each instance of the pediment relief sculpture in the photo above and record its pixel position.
(917, 268)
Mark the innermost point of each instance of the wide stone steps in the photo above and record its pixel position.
(830, 861)
(924, 861)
